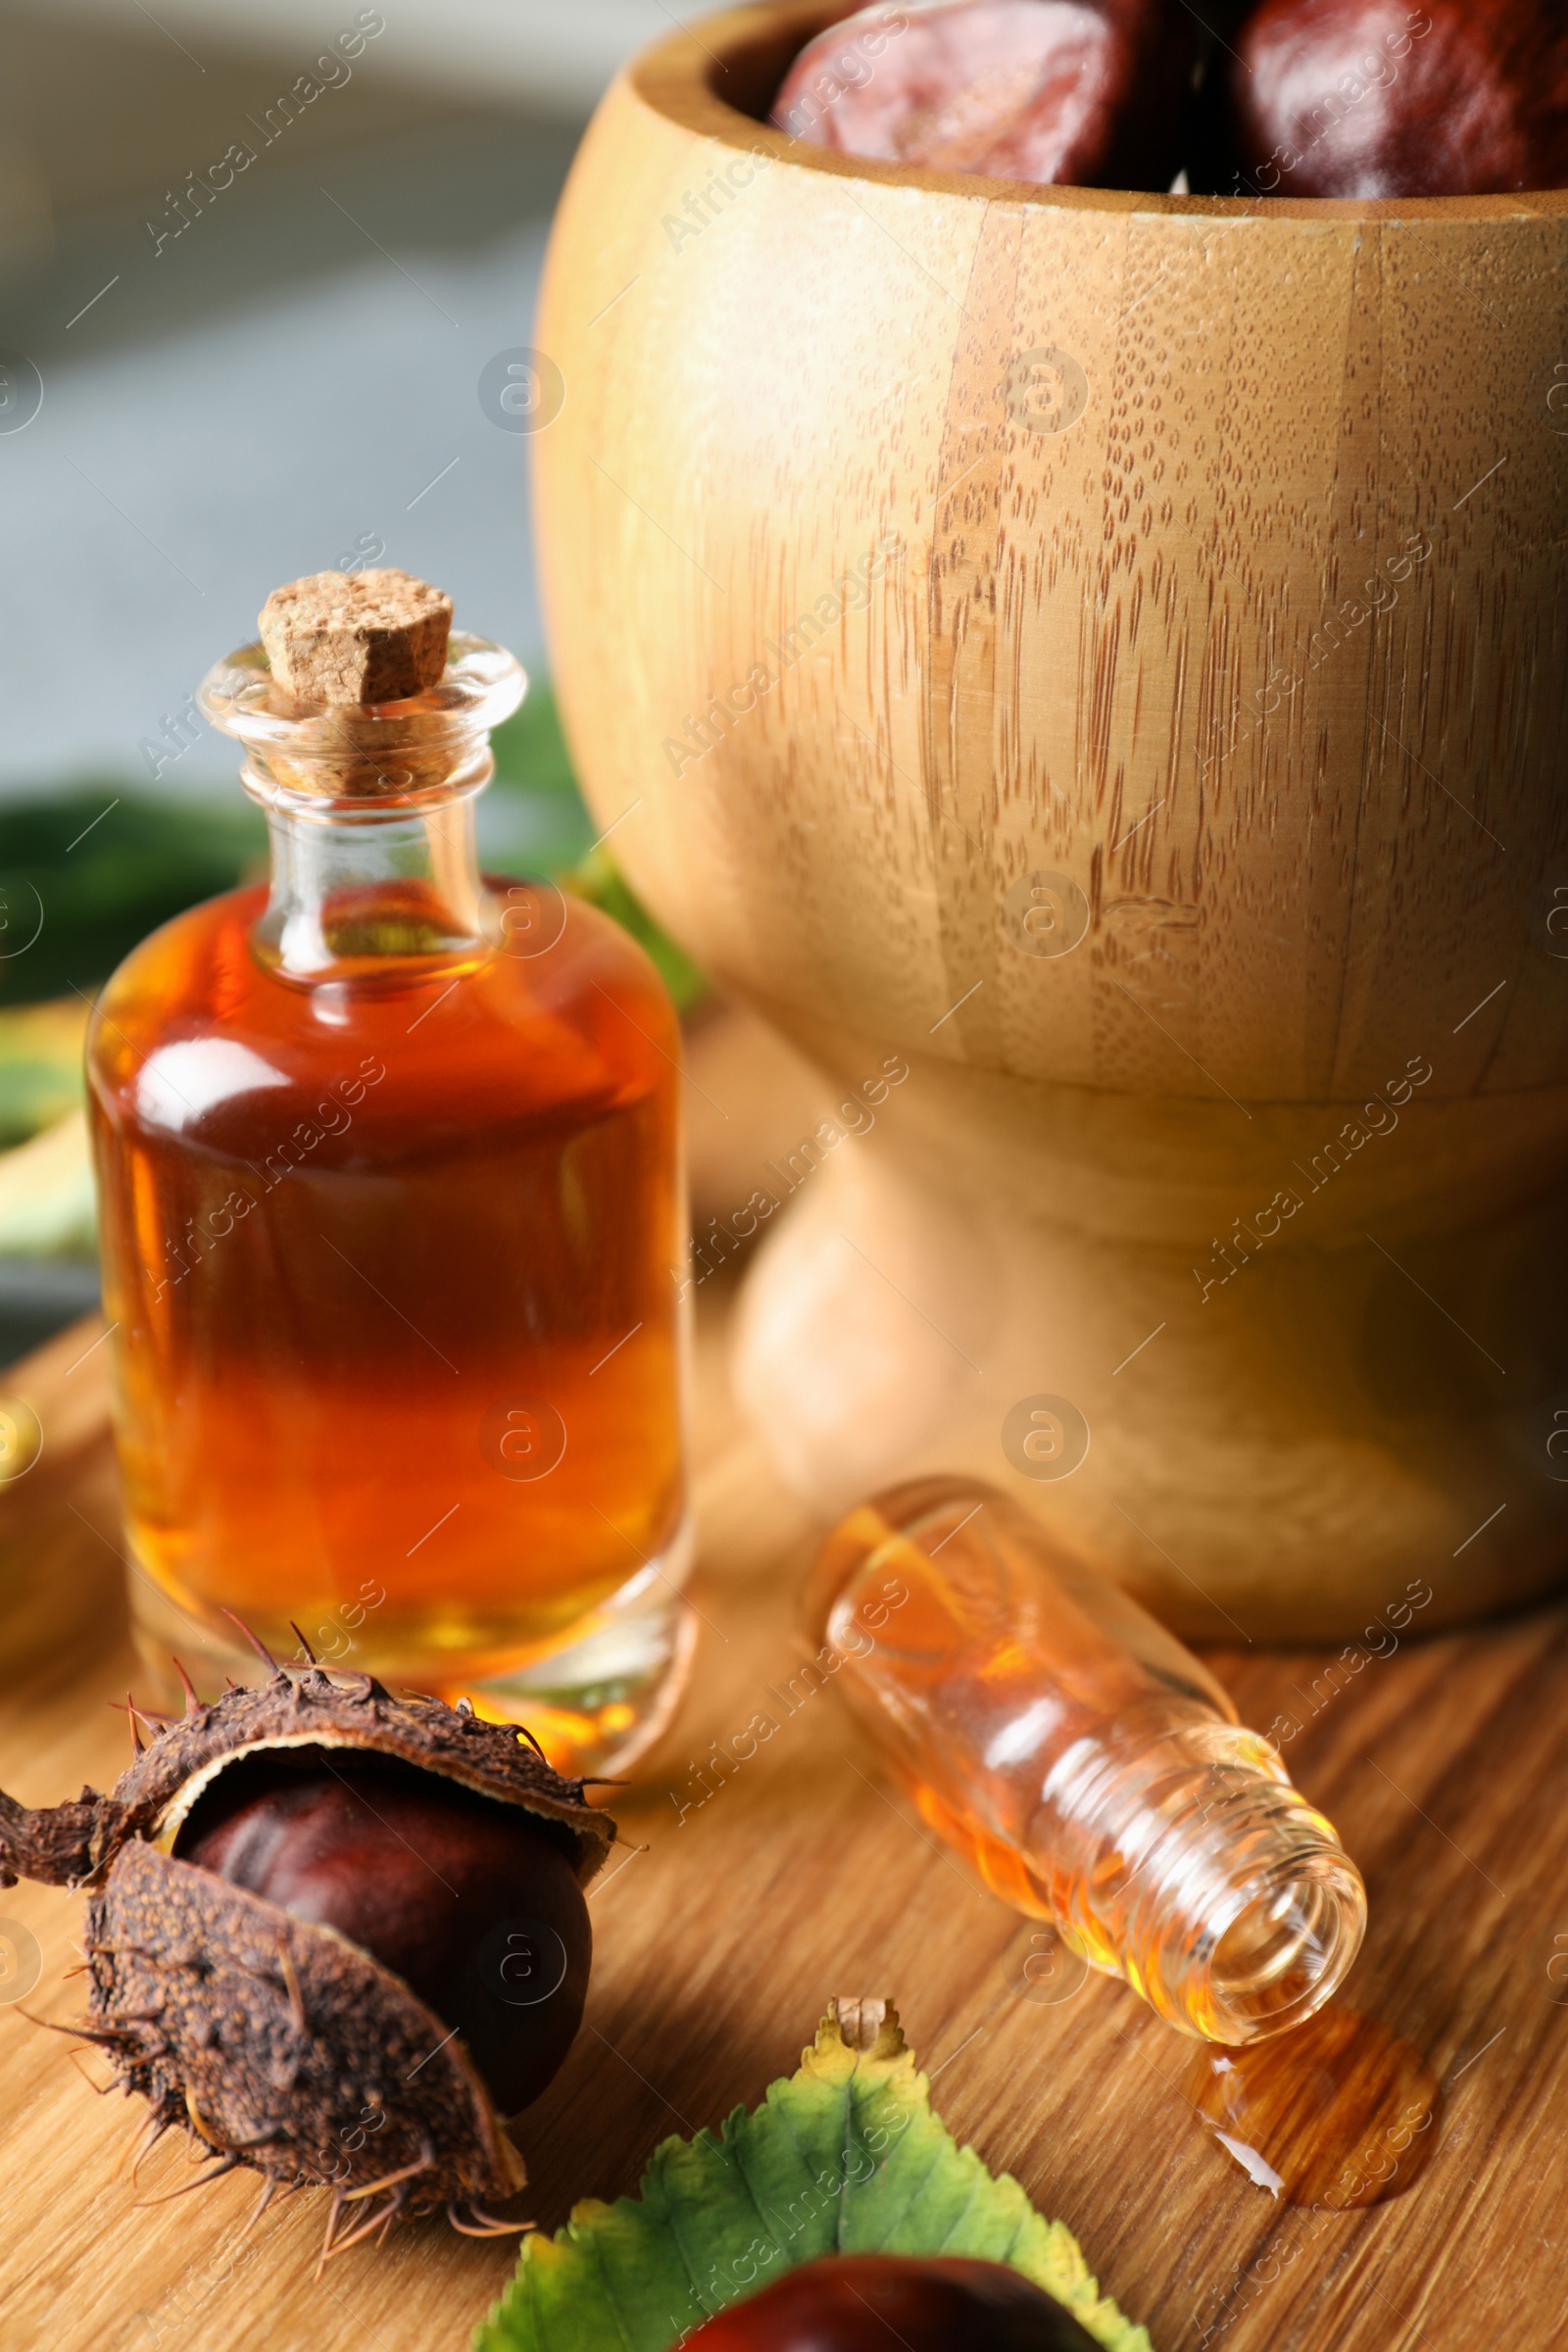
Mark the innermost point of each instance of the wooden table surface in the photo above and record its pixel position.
(1445, 1766)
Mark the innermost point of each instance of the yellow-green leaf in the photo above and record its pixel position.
(846, 2156)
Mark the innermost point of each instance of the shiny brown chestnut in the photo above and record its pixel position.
(873, 2302)
(334, 1934)
(472, 1903)
(1378, 98)
(1090, 93)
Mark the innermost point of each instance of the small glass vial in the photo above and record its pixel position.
(389, 1166)
(1087, 1766)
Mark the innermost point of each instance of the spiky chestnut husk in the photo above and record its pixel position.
(280, 2045)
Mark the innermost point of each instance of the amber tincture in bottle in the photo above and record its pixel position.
(1087, 1765)
(389, 1165)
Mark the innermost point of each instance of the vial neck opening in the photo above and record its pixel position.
(1230, 1903)
(1284, 1954)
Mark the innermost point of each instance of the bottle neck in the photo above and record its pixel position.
(376, 879)
(1177, 1855)
(375, 897)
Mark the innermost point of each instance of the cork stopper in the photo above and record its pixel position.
(360, 637)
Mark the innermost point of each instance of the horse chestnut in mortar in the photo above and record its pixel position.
(1086, 92)
(872, 2302)
(339, 1936)
(1377, 98)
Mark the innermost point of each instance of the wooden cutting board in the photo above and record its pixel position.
(1445, 1766)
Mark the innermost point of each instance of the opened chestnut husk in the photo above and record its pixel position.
(275, 1963)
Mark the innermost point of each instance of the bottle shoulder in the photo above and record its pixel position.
(168, 977)
(566, 1018)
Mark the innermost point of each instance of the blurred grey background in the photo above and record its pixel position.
(244, 383)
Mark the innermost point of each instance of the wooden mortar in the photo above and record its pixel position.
(1205, 557)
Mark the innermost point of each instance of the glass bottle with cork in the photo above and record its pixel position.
(389, 1165)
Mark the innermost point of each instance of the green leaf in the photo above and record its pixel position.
(40, 1065)
(84, 876)
(846, 2156)
(534, 820)
(600, 880)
